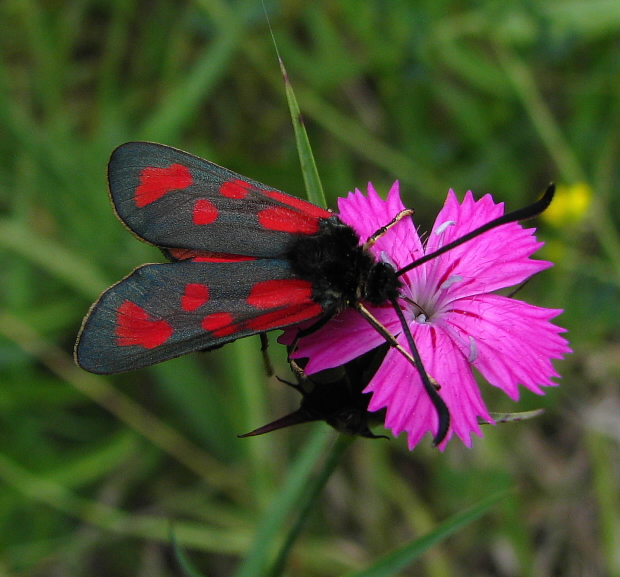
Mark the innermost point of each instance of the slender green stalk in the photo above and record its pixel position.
(314, 188)
(314, 488)
(398, 560)
(284, 503)
(542, 118)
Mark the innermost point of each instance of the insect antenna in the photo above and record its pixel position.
(431, 388)
(430, 385)
(529, 211)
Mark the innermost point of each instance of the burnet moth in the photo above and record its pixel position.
(335, 396)
(245, 259)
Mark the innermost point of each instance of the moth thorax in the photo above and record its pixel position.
(333, 262)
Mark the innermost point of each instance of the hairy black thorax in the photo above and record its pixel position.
(341, 271)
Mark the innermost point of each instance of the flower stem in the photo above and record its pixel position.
(315, 486)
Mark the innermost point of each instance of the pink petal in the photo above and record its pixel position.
(364, 213)
(468, 215)
(367, 214)
(515, 341)
(345, 337)
(496, 259)
(397, 386)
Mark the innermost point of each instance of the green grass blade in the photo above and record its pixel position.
(52, 257)
(315, 486)
(314, 188)
(398, 560)
(180, 104)
(285, 502)
(181, 558)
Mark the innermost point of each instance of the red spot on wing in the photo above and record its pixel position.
(298, 216)
(285, 219)
(220, 257)
(182, 253)
(220, 324)
(194, 296)
(297, 203)
(135, 327)
(205, 256)
(156, 182)
(235, 189)
(270, 294)
(204, 212)
(283, 317)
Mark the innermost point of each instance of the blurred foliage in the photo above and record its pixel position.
(498, 97)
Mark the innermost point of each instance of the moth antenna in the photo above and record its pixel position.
(443, 413)
(525, 213)
(430, 385)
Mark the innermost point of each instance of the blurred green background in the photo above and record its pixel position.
(496, 97)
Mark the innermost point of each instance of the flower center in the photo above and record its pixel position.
(426, 291)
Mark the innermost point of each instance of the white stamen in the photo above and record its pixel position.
(442, 227)
(473, 350)
(421, 319)
(448, 283)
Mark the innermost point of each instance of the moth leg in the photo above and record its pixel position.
(431, 386)
(384, 332)
(378, 234)
(328, 316)
(267, 364)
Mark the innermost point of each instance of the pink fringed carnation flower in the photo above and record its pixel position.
(456, 321)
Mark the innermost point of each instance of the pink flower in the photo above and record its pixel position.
(456, 323)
